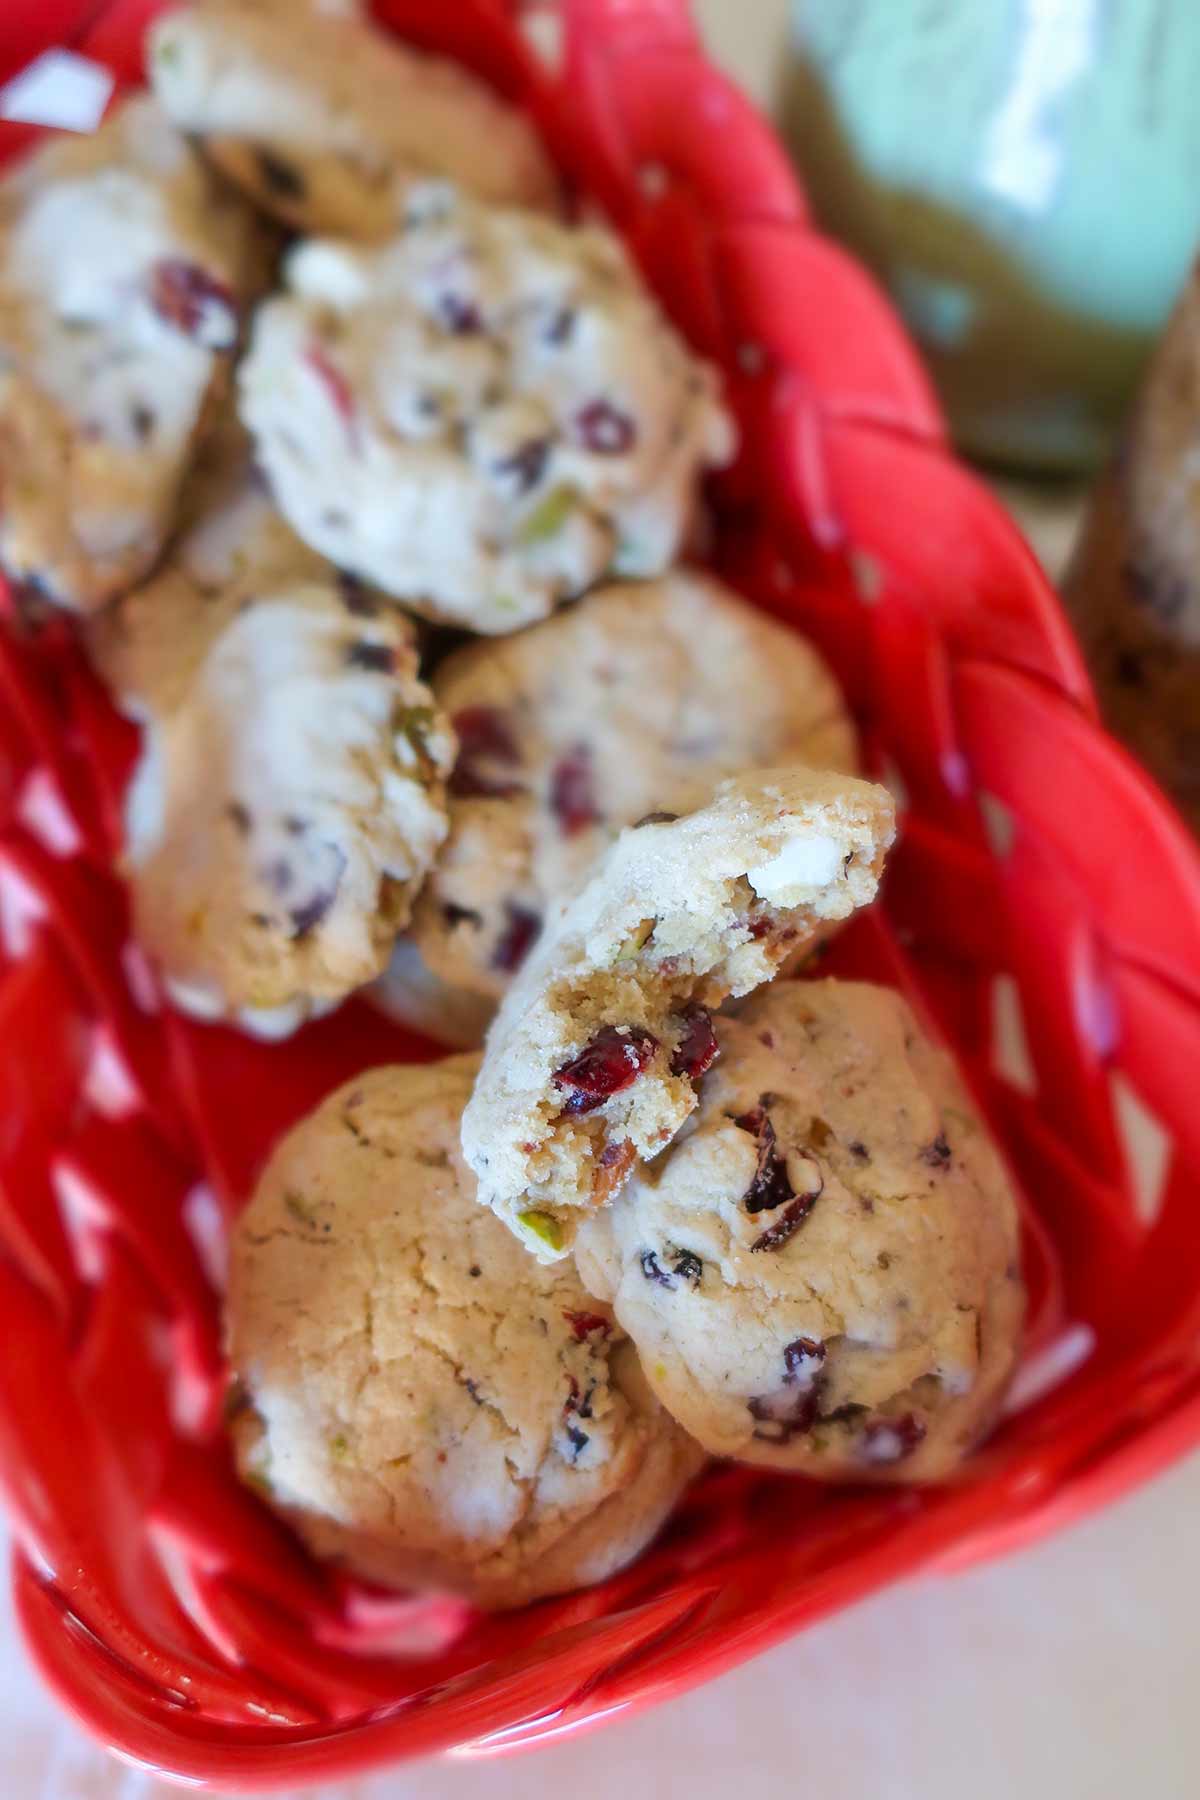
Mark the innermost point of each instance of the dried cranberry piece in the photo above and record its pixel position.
(611, 1062)
(561, 325)
(788, 1222)
(799, 1354)
(572, 798)
(697, 1049)
(689, 1267)
(848, 1413)
(195, 302)
(612, 1166)
(887, 1440)
(781, 1419)
(485, 732)
(376, 659)
(280, 176)
(584, 1323)
(576, 1402)
(770, 1187)
(518, 939)
(354, 596)
(759, 926)
(306, 917)
(653, 1270)
(461, 915)
(460, 316)
(604, 429)
(937, 1154)
(484, 735)
(526, 464)
(336, 387)
(576, 1406)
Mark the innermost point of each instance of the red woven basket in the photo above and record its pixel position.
(1043, 904)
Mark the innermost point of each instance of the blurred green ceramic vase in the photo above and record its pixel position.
(1024, 175)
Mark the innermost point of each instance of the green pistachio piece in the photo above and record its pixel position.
(415, 723)
(541, 1225)
(549, 516)
(637, 940)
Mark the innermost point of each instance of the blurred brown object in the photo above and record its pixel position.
(1133, 584)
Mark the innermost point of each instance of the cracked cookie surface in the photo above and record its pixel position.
(289, 796)
(637, 700)
(485, 415)
(423, 1400)
(821, 1273)
(324, 120)
(592, 1061)
(123, 270)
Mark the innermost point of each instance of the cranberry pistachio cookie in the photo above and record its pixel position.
(123, 268)
(325, 121)
(483, 416)
(290, 793)
(822, 1272)
(636, 701)
(423, 1401)
(592, 1062)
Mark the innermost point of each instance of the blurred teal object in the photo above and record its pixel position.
(1024, 175)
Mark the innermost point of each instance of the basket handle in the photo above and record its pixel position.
(623, 25)
(31, 30)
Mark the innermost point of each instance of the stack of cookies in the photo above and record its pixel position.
(373, 479)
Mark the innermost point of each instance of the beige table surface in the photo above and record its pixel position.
(1067, 1673)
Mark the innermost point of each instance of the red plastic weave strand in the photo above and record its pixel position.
(1038, 872)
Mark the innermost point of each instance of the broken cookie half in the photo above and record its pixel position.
(592, 1063)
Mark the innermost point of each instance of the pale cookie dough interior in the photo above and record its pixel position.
(483, 416)
(290, 793)
(422, 1400)
(592, 1061)
(324, 119)
(637, 700)
(822, 1272)
(122, 273)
